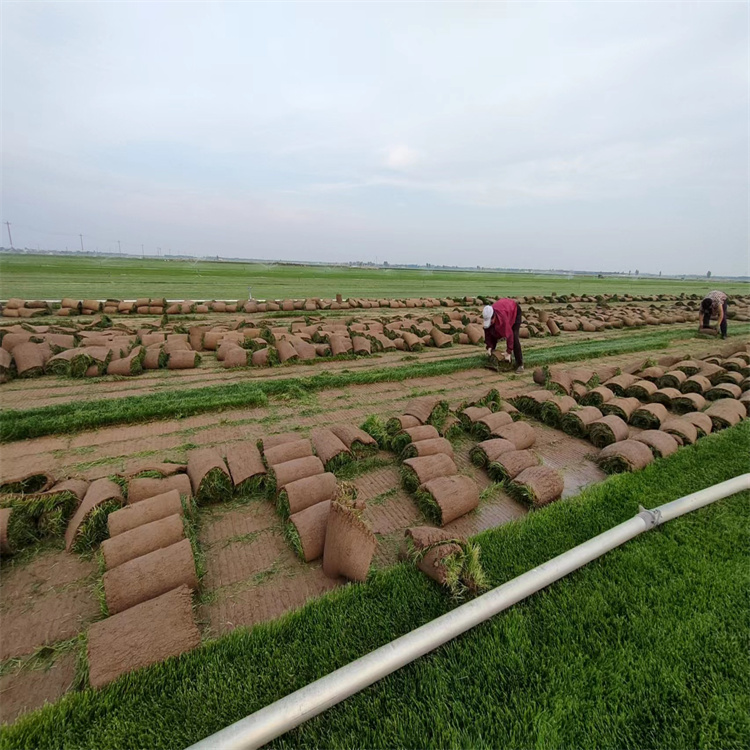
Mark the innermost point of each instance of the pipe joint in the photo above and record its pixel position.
(652, 518)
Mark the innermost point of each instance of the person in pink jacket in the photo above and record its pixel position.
(502, 320)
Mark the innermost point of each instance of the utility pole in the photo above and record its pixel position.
(81, 236)
(7, 224)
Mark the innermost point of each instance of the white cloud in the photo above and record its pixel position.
(401, 157)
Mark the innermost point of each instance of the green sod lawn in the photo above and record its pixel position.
(54, 277)
(645, 647)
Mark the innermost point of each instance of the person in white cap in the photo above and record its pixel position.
(502, 320)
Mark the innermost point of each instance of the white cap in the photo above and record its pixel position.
(487, 314)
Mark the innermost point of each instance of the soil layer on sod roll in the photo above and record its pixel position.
(555, 408)
(725, 413)
(273, 441)
(521, 434)
(608, 430)
(6, 548)
(620, 383)
(686, 402)
(724, 390)
(99, 492)
(577, 422)
(642, 390)
(471, 414)
(306, 530)
(696, 384)
(622, 407)
(422, 408)
(597, 396)
(30, 483)
(661, 443)
(627, 455)
(149, 576)
(509, 465)
(488, 450)
(417, 471)
(288, 452)
(142, 540)
(245, 467)
(431, 548)
(143, 512)
(531, 402)
(537, 486)
(282, 474)
(209, 476)
(701, 420)
(355, 439)
(142, 635)
(140, 489)
(484, 427)
(296, 496)
(402, 422)
(331, 451)
(444, 499)
(413, 434)
(672, 379)
(349, 545)
(428, 448)
(650, 416)
(686, 432)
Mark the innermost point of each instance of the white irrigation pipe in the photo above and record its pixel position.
(272, 721)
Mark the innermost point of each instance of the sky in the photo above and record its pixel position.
(573, 135)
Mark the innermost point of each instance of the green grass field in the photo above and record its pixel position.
(54, 277)
(645, 647)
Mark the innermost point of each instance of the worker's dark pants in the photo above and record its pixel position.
(517, 353)
(723, 326)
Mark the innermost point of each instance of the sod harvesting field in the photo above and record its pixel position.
(54, 277)
(645, 647)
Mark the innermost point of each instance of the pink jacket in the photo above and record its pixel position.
(502, 324)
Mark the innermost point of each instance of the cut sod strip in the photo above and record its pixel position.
(246, 469)
(88, 527)
(486, 427)
(17, 531)
(577, 422)
(413, 434)
(536, 486)
(726, 413)
(622, 407)
(531, 402)
(280, 454)
(724, 390)
(142, 488)
(282, 474)
(665, 396)
(687, 402)
(27, 484)
(686, 432)
(447, 559)
(446, 498)
(209, 476)
(427, 448)
(142, 540)
(555, 408)
(331, 451)
(597, 396)
(521, 434)
(302, 493)
(469, 415)
(306, 531)
(627, 455)
(356, 440)
(510, 464)
(417, 471)
(608, 430)
(349, 545)
(144, 512)
(642, 390)
(650, 416)
(488, 450)
(661, 443)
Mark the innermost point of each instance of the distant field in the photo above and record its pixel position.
(53, 277)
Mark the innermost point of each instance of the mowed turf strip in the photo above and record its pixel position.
(57, 276)
(76, 416)
(645, 647)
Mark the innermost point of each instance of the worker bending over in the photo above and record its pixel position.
(502, 320)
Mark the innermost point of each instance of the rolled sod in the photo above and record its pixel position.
(665, 396)
(555, 408)
(622, 407)
(149, 576)
(532, 402)
(627, 455)
(417, 471)
(144, 512)
(209, 476)
(642, 390)
(660, 443)
(427, 448)
(696, 384)
(672, 379)
(702, 421)
(688, 366)
(403, 422)
(687, 402)
(288, 452)
(422, 407)
(451, 428)
(88, 526)
(446, 498)
(537, 486)
(488, 450)
(726, 413)
(471, 414)
(744, 400)
(142, 635)
(349, 545)
(650, 416)
(652, 373)
(29, 483)
(17, 531)
(412, 434)
(302, 493)
(724, 390)
(142, 488)
(331, 451)
(486, 427)
(355, 439)
(59, 364)
(620, 383)
(608, 430)
(682, 429)
(727, 377)
(142, 540)
(509, 465)
(246, 468)
(282, 474)
(273, 441)
(597, 396)
(306, 530)
(29, 359)
(521, 434)
(577, 422)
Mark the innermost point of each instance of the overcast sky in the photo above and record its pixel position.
(580, 135)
